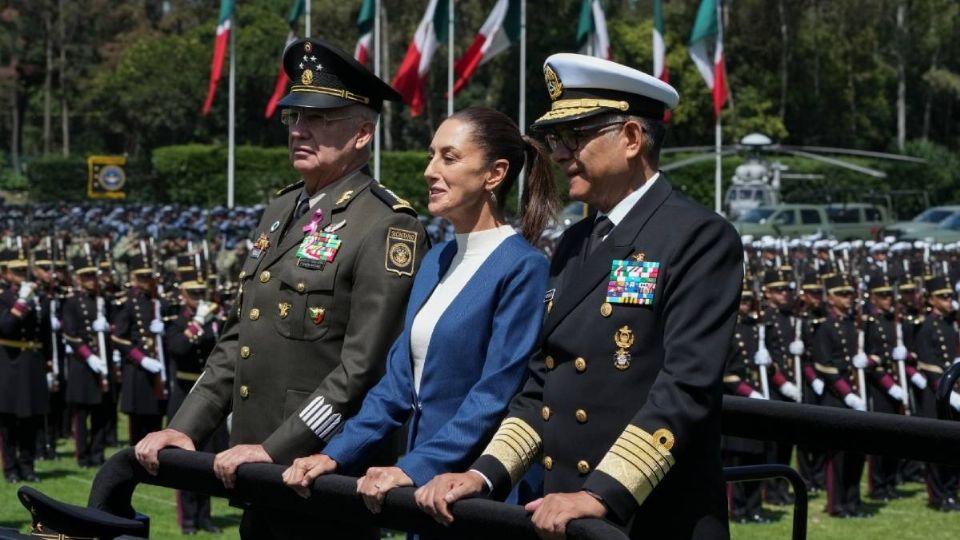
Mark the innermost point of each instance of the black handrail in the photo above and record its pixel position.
(334, 499)
(748, 473)
(944, 388)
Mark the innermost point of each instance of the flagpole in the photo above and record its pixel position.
(449, 57)
(718, 134)
(376, 71)
(231, 120)
(523, 92)
(306, 14)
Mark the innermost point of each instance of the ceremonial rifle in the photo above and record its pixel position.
(101, 314)
(762, 346)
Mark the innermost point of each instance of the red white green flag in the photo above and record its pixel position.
(219, 51)
(498, 33)
(411, 78)
(706, 50)
(365, 27)
(660, 69)
(592, 37)
(280, 88)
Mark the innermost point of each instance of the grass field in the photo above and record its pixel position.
(904, 519)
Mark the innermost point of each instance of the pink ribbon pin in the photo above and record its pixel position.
(315, 220)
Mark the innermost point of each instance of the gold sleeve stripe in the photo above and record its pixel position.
(515, 445)
(121, 341)
(826, 369)
(731, 378)
(638, 461)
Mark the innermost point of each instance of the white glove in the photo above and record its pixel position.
(919, 380)
(896, 392)
(955, 400)
(956, 360)
(762, 358)
(54, 323)
(100, 325)
(205, 313)
(790, 390)
(27, 288)
(97, 364)
(151, 364)
(899, 353)
(854, 402)
(817, 385)
(156, 326)
(796, 348)
(116, 356)
(860, 360)
(51, 381)
(756, 395)
(67, 348)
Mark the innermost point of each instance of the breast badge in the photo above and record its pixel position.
(261, 245)
(623, 340)
(401, 251)
(632, 281)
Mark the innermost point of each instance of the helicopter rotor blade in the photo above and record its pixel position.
(686, 149)
(837, 162)
(853, 152)
(695, 159)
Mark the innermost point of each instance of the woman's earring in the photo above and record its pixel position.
(493, 197)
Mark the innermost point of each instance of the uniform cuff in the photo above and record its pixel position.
(137, 355)
(84, 352)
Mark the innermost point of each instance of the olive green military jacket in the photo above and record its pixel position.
(307, 338)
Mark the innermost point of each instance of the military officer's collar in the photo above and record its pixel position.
(622, 208)
(342, 191)
(314, 199)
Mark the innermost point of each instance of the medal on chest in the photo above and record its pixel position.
(632, 281)
(623, 340)
(317, 249)
(261, 245)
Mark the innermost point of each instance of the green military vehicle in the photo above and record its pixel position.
(928, 220)
(844, 221)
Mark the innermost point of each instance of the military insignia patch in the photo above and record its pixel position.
(307, 76)
(632, 282)
(554, 86)
(317, 314)
(401, 251)
(345, 196)
(317, 249)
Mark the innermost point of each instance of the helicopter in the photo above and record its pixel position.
(758, 180)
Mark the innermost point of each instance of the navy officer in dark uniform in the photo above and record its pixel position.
(624, 396)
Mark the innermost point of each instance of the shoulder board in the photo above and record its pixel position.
(290, 188)
(391, 199)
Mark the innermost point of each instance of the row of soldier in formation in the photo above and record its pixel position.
(859, 326)
(77, 344)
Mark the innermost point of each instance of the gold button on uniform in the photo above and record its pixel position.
(254, 314)
(301, 287)
(580, 364)
(606, 309)
(549, 361)
(545, 412)
(583, 467)
(244, 352)
(581, 416)
(244, 391)
(547, 462)
(264, 276)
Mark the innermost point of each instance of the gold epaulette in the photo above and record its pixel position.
(290, 188)
(639, 461)
(515, 445)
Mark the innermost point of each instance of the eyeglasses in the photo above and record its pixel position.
(571, 138)
(314, 119)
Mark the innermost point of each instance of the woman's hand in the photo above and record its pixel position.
(373, 486)
(303, 471)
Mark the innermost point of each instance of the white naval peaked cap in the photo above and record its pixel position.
(582, 86)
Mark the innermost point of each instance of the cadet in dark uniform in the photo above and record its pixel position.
(137, 334)
(811, 462)
(936, 348)
(24, 397)
(49, 296)
(190, 338)
(742, 378)
(623, 400)
(89, 391)
(836, 345)
(322, 292)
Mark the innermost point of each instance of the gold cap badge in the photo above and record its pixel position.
(554, 86)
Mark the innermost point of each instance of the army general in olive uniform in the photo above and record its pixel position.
(321, 292)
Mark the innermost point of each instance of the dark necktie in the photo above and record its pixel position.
(601, 228)
(302, 208)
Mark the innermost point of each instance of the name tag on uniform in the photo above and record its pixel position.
(632, 282)
(317, 249)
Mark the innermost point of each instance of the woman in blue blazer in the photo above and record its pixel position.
(473, 317)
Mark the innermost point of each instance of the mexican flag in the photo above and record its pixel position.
(411, 78)
(280, 88)
(660, 69)
(365, 26)
(219, 50)
(706, 50)
(592, 37)
(498, 33)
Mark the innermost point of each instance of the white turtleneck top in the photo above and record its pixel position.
(472, 250)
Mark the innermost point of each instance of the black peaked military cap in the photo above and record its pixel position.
(937, 285)
(835, 283)
(775, 278)
(880, 282)
(51, 517)
(82, 265)
(326, 77)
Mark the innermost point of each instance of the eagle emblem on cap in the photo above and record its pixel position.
(554, 86)
(307, 76)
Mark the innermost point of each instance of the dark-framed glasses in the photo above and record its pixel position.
(572, 137)
(314, 119)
